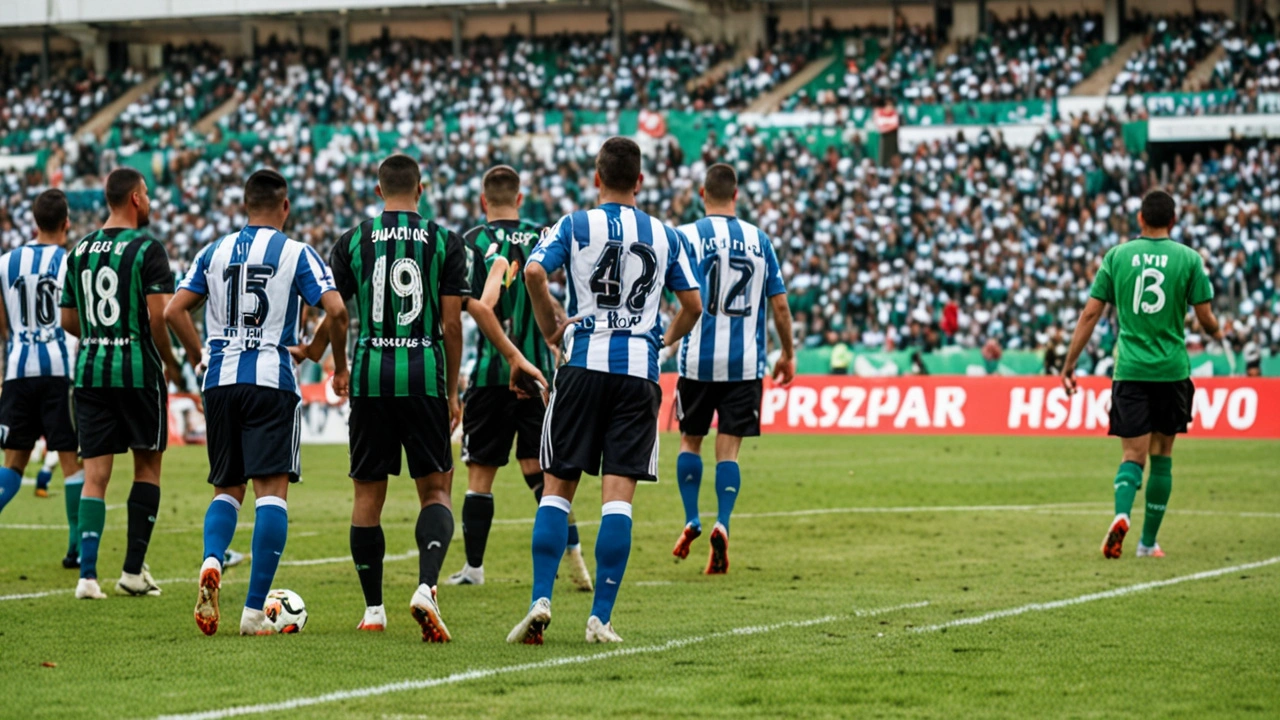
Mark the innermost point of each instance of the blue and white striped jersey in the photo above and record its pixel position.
(32, 277)
(739, 272)
(254, 280)
(618, 260)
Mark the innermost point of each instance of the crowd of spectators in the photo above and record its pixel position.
(1173, 47)
(37, 114)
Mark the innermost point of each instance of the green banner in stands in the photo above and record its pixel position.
(1135, 136)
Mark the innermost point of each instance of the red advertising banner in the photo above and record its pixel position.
(993, 405)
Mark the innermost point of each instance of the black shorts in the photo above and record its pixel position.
(32, 408)
(381, 426)
(492, 418)
(737, 404)
(253, 432)
(110, 421)
(1139, 408)
(600, 421)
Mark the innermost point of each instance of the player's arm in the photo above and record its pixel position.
(178, 317)
(454, 285)
(493, 282)
(1208, 321)
(682, 279)
(1079, 339)
(688, 315)
(487, 322)
(335, 316)
(314, 350)
(784, 371)
(71, 321)
(157, 303)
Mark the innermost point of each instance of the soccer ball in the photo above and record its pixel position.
(285, 611)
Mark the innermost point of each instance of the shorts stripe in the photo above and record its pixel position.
(545, 456)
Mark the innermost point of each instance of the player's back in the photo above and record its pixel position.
(512, 240)
(739, 272)
(394, 265)
(109, 275)
(31, 277)
(255, 280)
(618, 260)
(1151, 282)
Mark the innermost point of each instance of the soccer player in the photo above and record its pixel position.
(1150, 281)
(117, 286)
(407, 276)
(253, 282)
(603, 414)
(36, 399)
(722, 361)
(495, 415)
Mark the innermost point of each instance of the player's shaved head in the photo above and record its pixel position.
(721, 183)
(618, 164)
(1159, 209)
(501, 186)
(50, 211)
(399, 176)
(120, 184)
(265, 191)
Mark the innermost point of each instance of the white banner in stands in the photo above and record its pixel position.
(909, 136)
(1212, 127)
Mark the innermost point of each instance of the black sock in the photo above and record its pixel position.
(434, 530)
(534, 481)
(368, 545)
(477, 518)
(144, 505)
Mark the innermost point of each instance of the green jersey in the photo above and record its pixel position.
(512, 240)
(397, 266)
(1151, 283)
(110, 273)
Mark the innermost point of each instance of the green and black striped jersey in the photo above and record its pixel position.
(110, 273)
(513, 240)
(398, 266)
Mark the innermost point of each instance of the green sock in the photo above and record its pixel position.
(1128, 482)
(71, 493)
(1159, 486)
(93, 517)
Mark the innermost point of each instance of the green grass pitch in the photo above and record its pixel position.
(835, 600)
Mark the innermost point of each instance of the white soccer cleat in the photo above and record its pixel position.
(254, 622)
(529, 630)
(426, 611)
(1149, 552)
(139, 585)
(467, 576)
(578, 572)
(88, 589)
(598, 632)
(232, 558)
(375, 619)
(207, 612)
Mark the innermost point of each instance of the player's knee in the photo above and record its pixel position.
(691, 444)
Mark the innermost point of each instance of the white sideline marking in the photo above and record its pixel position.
(1104, 595)
(1170, 511)
(68, 591)
(882, 611)
(346, 558)
(482, 674)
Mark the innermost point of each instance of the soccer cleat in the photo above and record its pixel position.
(691, 532)
(427, 612)
(1152, 552)
(718, 563)
(1113, 543)
(42, 483)
(138, 585)
(87, 589)
(598, 632)
(42, 492)
(467, 576)
(255, 622)
(207, 613)
(529, 630)
(71, 561)
(231, 558)
(578, 572)
(375, 619)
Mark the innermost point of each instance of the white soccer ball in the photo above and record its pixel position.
(285, 611)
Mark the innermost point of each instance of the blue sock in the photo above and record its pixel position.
(220, 525)
(550, 536)
(728, 482)
(42, 479)
(574, 538)
(270, 530)
(689, 477)
(10, 484)
(613, 547)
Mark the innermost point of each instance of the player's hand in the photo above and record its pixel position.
(455, 413)
(298, 352)
(524, 377)
(173, 374)
(784, 371)
(342, 383)
(562, 324)
(1069, 378)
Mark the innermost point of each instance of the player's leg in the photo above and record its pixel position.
(695, 407)
(430, 456)
(143, 508)
(488, 429)
(1159, 487)
(477, 520)
(613, 550)
(728, 484)
(101, 436)
(227, 476)
(550, 538)
(270, 533)
(45, 475)
(11, 474)
(21, 423)
(62, 444)
(375, 454)
(1130, 421)
(73, 472)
